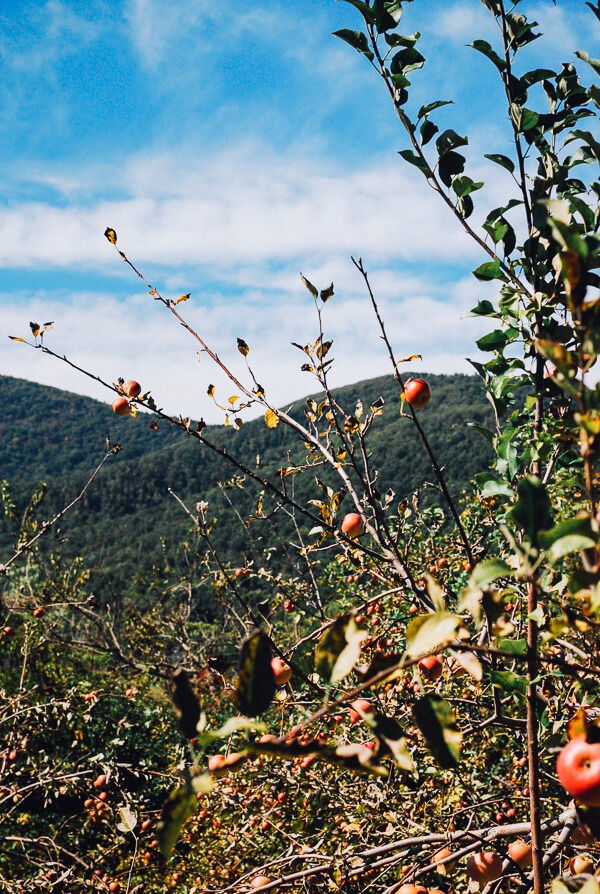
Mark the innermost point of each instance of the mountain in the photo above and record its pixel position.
(58, 437)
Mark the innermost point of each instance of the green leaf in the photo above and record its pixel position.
(186, 704)
(482, 46)
(490, 570)
(434, 717)
(487, 434)
(488, 271)
(420, 163)
(364, 9)
(448, 141)
(493, 488)
(595, 63)
(424, 111)
(501, 160)
(509, 682)
(433, 630)
(569, 537)
(356, 39)
(255, 687)
(392, 736)
(450, 163)
(177, 809)
(464, 186)
(513, 646)
(338, 650)
(532, 513)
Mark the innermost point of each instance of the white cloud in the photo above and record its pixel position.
(239, 208)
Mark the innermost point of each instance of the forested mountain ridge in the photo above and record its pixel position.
(59, 437)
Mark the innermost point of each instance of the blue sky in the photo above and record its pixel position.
(232, 146)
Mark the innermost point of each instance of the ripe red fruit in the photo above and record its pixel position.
(520, 852)
(431, 667)
(259, 881)
(578, 768)
(361, 704)
(484, 866)
(417, 392)
(352, 525)
(100, 781)
(282, 671)
(288, 606)
(132, 389)
(121, 406)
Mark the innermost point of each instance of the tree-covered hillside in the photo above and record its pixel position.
(55, 437)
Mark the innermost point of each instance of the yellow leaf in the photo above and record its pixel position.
(153, 292)
(272, 419)
(111, 236)
(310, 287)
(408, 359)
(210, 390)
(233, 399)
(227, 420)
(35, 328)
(16, 338)
(242, 347)
(183, 298)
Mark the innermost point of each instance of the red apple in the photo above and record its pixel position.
(259, 881)
(352, 525)
(121, 406)
(431, 667)
(361, 704)
(417, 392)
(578, 768)
(581, 863)
(282, 671)
(484, 866)
(520, 852)
(132, 389)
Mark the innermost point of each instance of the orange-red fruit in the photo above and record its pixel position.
(417, 392)
(121, 406)
(132, 389)
(352, 525)
(578, 768)
(442, 855)
(581, 863)
(100, 781)
(259, 881)
(484, 866)
(361, 704)
(410, 889)
(282, 671)
(431, 667)
(520, 852)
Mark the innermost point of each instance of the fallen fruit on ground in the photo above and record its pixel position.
(578, 769)
(484, 866)
(581, 863)
(120, 406)
(417, 392)
(352, 525)
(282, 671)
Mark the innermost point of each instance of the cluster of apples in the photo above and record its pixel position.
(121, 405)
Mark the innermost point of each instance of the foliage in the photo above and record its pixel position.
(304, 781)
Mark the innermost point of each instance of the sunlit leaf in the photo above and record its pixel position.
(313, 291)
(471, 664)
(35, 328)
(183, 298)
(128, 820)
(16, 338)
(242, 347)
(271, 418)
(111, 235)
(433, 631)
(408, 359)
(233, 398)
(210, 390)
